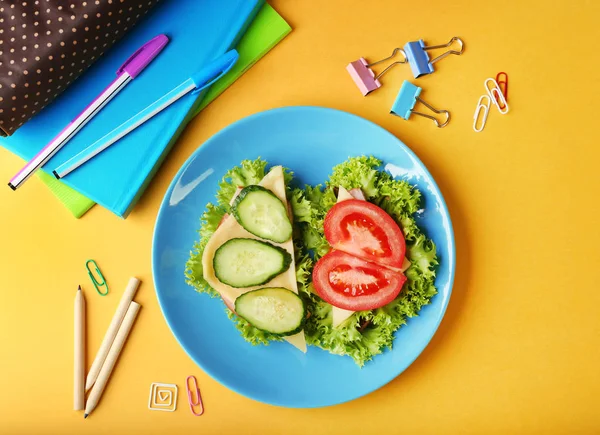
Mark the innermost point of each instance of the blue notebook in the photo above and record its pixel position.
(198, 32)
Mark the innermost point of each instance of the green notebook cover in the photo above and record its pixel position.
(267, 29)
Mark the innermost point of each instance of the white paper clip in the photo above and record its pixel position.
(496, 96)
(481, 108)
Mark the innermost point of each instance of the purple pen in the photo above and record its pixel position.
(127, 72)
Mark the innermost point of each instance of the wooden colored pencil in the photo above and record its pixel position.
(111, 358)
(79, 352)
(111, 332)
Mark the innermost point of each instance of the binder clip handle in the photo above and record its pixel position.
(433, 109)
(449, 52)
(396, 51)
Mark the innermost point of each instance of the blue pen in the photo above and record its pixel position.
(197, 82)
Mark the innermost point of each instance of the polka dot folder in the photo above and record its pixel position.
(45, 46)
(198, 32)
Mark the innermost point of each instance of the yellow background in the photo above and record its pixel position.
(519, 348)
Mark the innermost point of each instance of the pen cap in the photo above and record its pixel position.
(143, 56)
(214, 69)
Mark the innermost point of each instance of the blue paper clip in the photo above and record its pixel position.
(407, 99)
(418, 59)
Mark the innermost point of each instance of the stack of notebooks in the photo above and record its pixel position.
(198, 31)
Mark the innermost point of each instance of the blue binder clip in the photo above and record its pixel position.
(416, 52)
(407, 99)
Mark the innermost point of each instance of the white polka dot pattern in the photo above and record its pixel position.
(47, 44)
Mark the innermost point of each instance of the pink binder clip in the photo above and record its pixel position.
(363, 75)
(194, 403)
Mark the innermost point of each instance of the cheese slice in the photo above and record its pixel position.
(230, 229)
(339, 314)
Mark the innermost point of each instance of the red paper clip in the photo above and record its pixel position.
(194, 403)
(504, 88)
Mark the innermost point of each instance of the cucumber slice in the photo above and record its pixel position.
(261, 213)
(249, 262)
(273, 309)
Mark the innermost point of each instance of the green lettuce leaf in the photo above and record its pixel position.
(359, 172)
(249, 172)
(193, 268)
(309, 215)
(301, 207)
(367, 333)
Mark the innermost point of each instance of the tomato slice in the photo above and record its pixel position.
(367, 231)
(351, 283)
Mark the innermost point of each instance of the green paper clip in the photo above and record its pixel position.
(97, 283)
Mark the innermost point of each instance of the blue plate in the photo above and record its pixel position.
(310, 141)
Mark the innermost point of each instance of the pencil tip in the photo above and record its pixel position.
(79, 288)
(85, 415)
